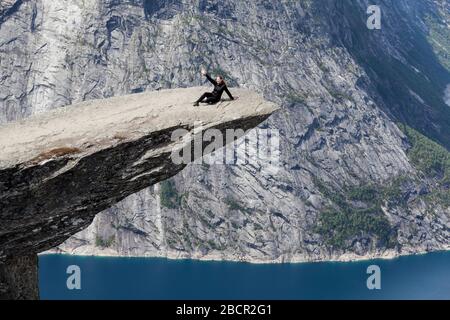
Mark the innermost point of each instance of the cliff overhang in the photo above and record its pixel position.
(59, 169)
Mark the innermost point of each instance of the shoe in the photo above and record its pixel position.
(196, 104)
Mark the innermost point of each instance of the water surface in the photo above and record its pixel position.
(413, 277)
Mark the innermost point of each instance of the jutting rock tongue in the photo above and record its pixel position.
(59, 169)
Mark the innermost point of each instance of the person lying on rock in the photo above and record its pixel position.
(219, 87)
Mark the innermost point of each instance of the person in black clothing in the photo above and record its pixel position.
(219, 87)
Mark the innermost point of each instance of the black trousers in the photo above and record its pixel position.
(208, 97)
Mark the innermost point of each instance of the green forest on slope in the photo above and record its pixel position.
(356, 211)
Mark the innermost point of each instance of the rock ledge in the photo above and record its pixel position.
(59, 169)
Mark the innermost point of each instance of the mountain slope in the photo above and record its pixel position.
(346, 186)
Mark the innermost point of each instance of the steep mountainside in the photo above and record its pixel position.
(358, 175)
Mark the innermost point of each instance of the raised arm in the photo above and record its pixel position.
(211, 79)
(229, 93)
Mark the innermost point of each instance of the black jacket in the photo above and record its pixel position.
(219, 89)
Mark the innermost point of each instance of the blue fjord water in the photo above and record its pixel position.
(413, 277)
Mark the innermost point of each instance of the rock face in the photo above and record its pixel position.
(59, 169)
(345, 163)
(19, 278)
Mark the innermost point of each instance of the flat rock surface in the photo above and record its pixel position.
(98, 124)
